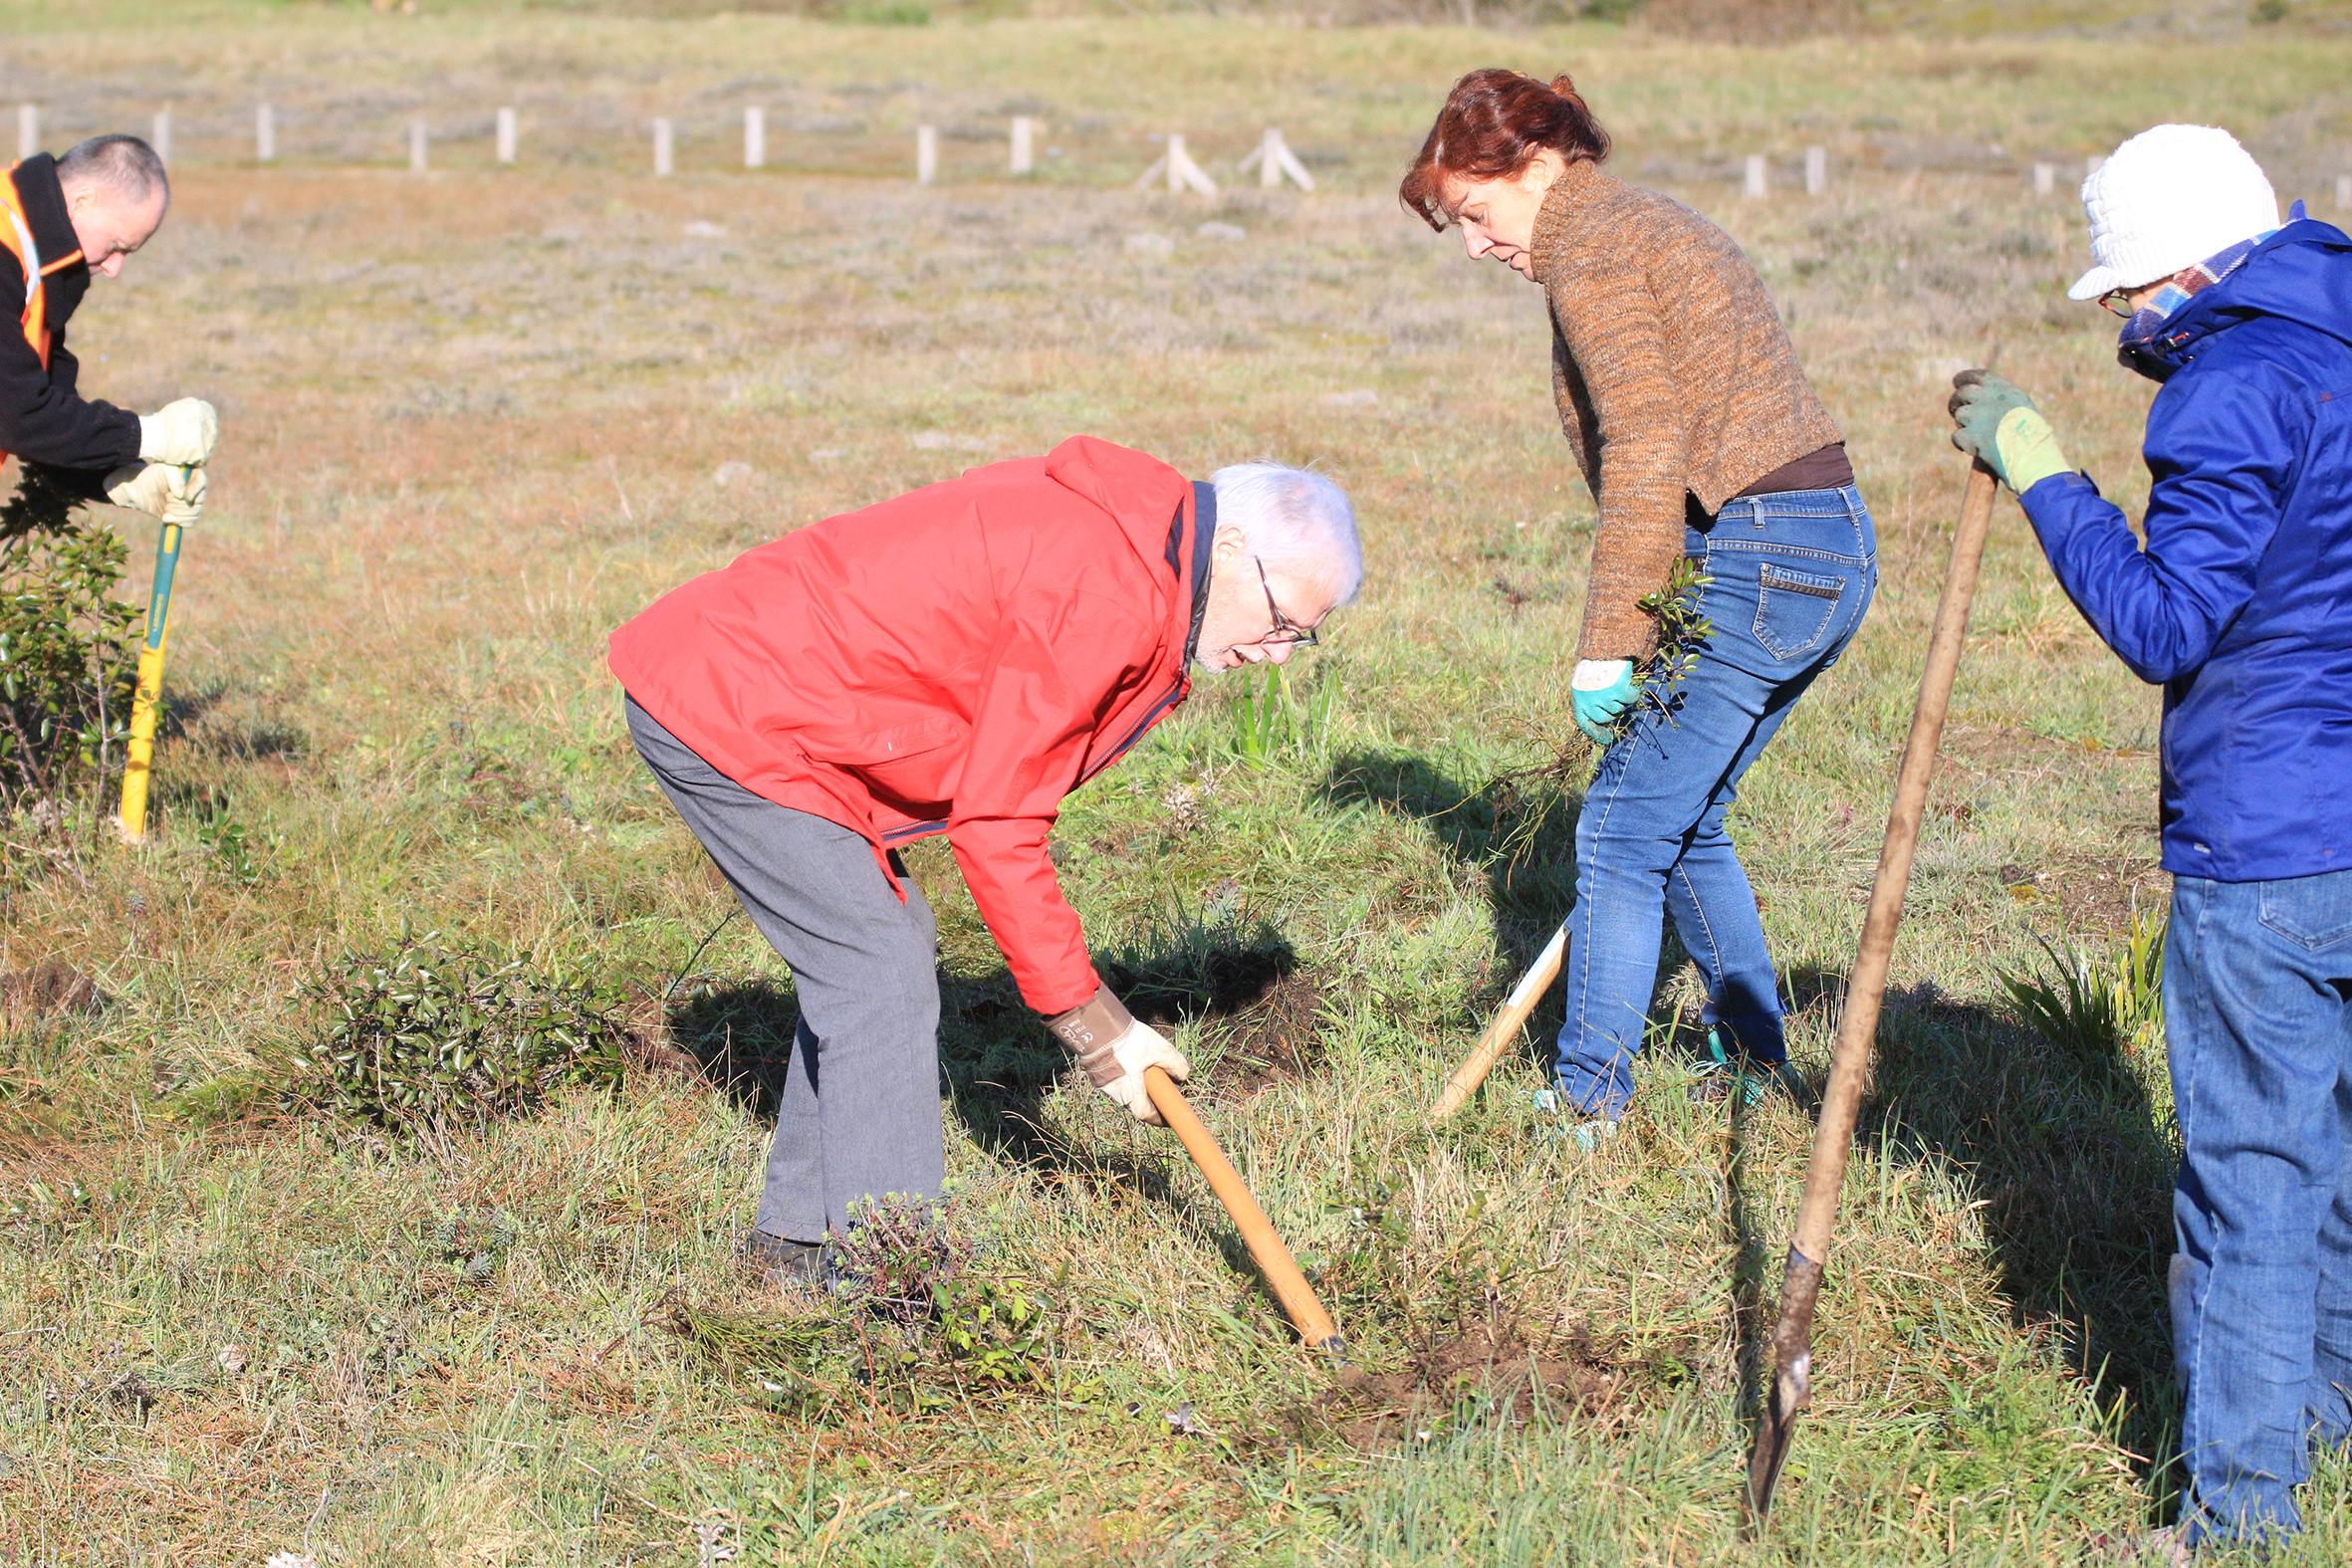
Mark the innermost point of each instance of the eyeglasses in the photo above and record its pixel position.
(2117, 302)
(1285, 630)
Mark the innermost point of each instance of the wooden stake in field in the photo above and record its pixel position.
(1857, 1021)
(1298, 1297)
(147, 695)
(1274, 162)
(1179, 170)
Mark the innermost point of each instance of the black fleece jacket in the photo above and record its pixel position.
(43, 419)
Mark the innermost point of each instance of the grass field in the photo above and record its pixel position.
(473, 420)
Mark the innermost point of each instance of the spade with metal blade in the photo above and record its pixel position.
(1857, 1021)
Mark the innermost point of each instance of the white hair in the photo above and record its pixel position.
(1293, 520)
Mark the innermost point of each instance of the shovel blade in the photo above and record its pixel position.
(1792, 1388)
(1792, 1382)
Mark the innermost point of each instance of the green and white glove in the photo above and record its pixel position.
(1999, 426)
(1599, 693)
(1115, 1048)
(179, 433)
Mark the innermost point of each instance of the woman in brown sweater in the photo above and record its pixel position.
(1699, 437)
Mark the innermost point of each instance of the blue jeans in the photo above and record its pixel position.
(2258, 1025)
(1793, 575)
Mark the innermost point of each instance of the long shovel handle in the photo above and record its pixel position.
(147, 695)
(1500, 1033)
(1298, 1297)
(1857, 1021)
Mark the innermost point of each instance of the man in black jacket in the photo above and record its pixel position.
(61, 219)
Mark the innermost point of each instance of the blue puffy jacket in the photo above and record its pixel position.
(2242, 603)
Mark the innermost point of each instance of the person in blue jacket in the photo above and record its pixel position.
(2241, 607)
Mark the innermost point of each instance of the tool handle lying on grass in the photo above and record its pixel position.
(1299, 1300)
(147, 695)
(1500, 1033)
(1857, 1021)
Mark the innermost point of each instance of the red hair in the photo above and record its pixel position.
(1494, 124)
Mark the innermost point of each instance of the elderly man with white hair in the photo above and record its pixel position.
(64, 221)
(2240, 607)
(953, 661)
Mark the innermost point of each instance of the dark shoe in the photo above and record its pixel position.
(790, 1262)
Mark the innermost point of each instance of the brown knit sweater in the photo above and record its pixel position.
(1672, 373)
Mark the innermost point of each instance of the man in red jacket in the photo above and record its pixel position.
(953, 661)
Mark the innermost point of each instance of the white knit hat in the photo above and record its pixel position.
(2169, 198)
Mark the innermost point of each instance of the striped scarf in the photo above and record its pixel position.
(2187, 284)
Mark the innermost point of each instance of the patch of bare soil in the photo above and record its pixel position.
(2100, 893)
(1275, 1040)
(44, 992)
(1268, 1011)
(1490, 1363)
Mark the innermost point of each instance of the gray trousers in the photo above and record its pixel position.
(859, 1105)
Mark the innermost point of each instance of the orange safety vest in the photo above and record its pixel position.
(16, 236)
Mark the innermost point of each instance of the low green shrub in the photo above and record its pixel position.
(434, 1034)
(2096, 1011)
(475, 1241)
(69, 648)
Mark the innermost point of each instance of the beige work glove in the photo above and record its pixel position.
(176, 495)
(179, 433)
(1115, 1050)
(187, 497)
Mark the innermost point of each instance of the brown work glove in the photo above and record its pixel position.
(1115, 1050)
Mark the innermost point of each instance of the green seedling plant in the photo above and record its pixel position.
(1540, 797)
(2096, 1010)
(474, 1242)
(230, 846)
(995, 1333)
(431, 1035)
(69, 647)
(1682, 635)
(1272, 723)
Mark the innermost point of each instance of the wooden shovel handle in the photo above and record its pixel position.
(1791, 1386)
(1857, 1021)
(1500, 1033)
(1298, 1299)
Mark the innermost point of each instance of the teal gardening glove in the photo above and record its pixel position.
(1600, 692)
(2000, 426)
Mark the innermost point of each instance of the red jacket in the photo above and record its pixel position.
(956, 660)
